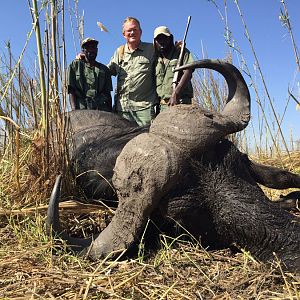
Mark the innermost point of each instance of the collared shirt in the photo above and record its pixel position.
(135, 71)
(91, 84)
(165, 75)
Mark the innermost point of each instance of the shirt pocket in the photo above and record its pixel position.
(143, 65)
(90, 77)
(159, 68)
(79, 79)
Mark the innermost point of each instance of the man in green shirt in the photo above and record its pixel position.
(134, 66)
(88, 81)
(168, 55)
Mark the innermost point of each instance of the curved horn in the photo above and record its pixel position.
(53, 224)
(195, 129)
(238, 100)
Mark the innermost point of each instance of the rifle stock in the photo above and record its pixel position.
(176, 77)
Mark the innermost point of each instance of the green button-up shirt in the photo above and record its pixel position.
(90, 84)
(165, 75)
(135, 71)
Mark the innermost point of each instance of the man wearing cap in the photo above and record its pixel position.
(134, 66)
(88, 81)
(168, 55)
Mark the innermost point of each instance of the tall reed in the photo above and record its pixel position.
(267, 135)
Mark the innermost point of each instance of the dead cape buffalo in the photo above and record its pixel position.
(181, 169)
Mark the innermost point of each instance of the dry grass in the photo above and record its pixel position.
(31, 268)
(182, 272)
(290, 162)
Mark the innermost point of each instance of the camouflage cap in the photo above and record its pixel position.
(88, 40)
(162, 30)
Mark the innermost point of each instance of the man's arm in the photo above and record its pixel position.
(176, 94)
(72, 99)
(114, 64)
(71, 81)
(107, 88)
(184, 79)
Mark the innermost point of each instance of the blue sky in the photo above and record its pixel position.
(270, 40)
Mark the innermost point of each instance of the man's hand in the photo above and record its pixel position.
(80, 56)
(178, 44)
(176, 95)
(174, 99)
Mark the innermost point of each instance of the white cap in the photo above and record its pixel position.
(162, 30)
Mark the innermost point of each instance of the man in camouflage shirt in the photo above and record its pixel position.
(168, 55)
(88, 81)
(134, 66)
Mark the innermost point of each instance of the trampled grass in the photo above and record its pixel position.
(32, 268)
(180, 272)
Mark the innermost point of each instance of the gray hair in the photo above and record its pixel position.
(131, 19)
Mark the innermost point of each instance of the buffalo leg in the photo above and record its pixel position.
(273, 177)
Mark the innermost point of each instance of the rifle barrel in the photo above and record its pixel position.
(187, 28)
(180, 58)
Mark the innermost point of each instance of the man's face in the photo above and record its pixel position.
(132, 32)
(163, 43)
(90, 50)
